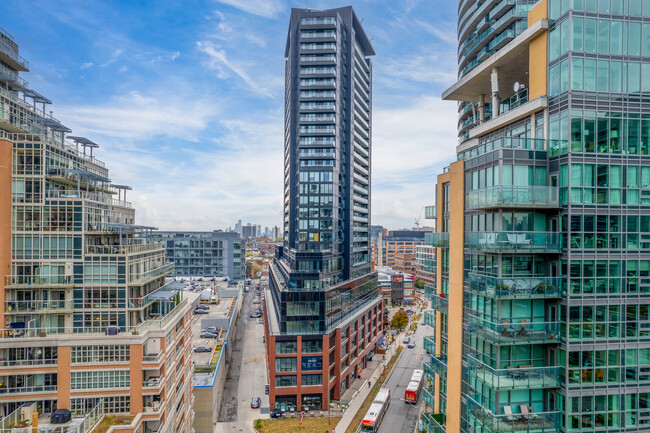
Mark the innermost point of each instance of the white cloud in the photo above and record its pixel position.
(421, 68)
(218, 61)
(241, 177)
(410, 145)
(124, 68)
(263, 8)
(113, 58)
(86, 65)
(136, 116)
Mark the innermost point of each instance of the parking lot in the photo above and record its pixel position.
(215, 311)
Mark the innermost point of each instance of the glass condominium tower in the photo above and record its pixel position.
(541, 306)
(323, 296)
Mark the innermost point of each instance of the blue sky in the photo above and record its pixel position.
(186, 97)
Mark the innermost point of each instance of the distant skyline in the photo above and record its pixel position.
(186, 99)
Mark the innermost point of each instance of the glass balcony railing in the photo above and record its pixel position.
(428, 395)
(430, 212)
(38, 280)
(510, 196)
(429, 344)
(511, 378)
(516, 418)
(514, 287)
(439, 303)
(514, 331)
(430, 318)
(514, 242)
(433, 423)
(429, 291)
(438, 240)
(438, 365)
(40, 305)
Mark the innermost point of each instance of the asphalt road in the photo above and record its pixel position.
(402, 416)
(247, 374)
(229, 404)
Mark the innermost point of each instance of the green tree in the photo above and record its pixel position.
(419, 284)
(400, 320)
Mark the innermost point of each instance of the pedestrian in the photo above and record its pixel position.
(368, 383)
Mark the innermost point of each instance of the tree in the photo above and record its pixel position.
(419, 284)
(400, 320)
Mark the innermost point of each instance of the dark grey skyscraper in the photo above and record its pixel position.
(321, 283)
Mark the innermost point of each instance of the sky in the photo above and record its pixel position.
(186, 99)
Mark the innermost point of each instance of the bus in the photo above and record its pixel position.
(414, 387)
(376, 412)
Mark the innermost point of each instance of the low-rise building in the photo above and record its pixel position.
(405, 262)
(425, 259)
(215, 253)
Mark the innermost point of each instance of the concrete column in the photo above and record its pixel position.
(481, 108)
(494, 81)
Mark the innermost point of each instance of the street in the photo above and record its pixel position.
(401, 416)
(247, 374)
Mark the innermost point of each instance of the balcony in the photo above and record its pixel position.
(515, 287)
(21, 307)
(482, 419)
(514, 331)
(430, 212)
(18, 281)
(511, 378)
(433, 423)
(511, 62)
(124, 249)
(439, 303)
(509, 196)
(438, 240)
(9, 53)
(430, 318)
(152, 274)
(514, 242)
(429, 344)
(438, 365)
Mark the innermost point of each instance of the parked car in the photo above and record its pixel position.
(212, 329)
(406, 340)
(209, 335)
(276, 413)
(255, 402)
(254, 315)
(203, 306)
(411, 344)
(246, 289)
(203, 348)
(201, 311)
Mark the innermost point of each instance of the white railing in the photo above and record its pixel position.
(124, 249)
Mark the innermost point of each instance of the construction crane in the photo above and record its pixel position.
(419, 217)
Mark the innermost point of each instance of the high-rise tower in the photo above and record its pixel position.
(323, 296)
(541, 304)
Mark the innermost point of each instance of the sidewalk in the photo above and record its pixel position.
(364, 391)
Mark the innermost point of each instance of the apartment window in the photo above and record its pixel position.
(285, 364)
(286, 347)
(287, 380)
(312, 346)
(112, 405)
(312, 363)
(99, 354)
(100, 379)
(312, 379)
